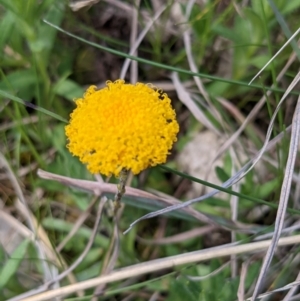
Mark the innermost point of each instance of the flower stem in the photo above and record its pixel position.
(121, 188)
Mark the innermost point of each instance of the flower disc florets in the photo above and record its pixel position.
(122, 126)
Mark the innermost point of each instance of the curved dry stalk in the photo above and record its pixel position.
(161, 264)
(96, 188)
(284, 197)
(241, 288)
(188, 49)
(234, 203)
(77, 225)
(193, 67)
(186, 99)
(89, 244)
(133, 35)
(77, 5)
(180, 206)
(154, 296)
(102, 188)
(47, 285)
(235, 178)
(178, 238)
(239, 116)
(49, 270)
(138, 41)
(275, 55)
(256, 108)
(23, 121)
(115, 248)
(293, 289)
(26, 233)
(292, 286)
(211, 274)
(287, 230)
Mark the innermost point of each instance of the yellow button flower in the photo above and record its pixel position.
(122, 126)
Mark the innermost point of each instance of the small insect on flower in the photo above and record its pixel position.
(122, 127)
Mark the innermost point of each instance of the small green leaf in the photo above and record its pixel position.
(222, 174)
(265, 189)
(260, 60)
(69, 89)
(46, 35)
(11, 266)
(183, 289)
(22, 81)
(6, 25)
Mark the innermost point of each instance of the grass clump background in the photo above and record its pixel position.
(174, 237)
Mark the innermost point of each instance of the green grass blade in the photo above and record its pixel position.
(166, 67)
(284, 27)
(229, 191)
(206, 196)
(28, 104)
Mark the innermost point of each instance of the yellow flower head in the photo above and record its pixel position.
(122, 126)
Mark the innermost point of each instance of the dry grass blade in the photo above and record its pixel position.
(292, 285)
(65, 273)
(138, 41)
(77, 5)
(256, 108)
(270, 128)
(234, 202)
(181, 206)
(154, 297)
(188, 49)
(89, 244)
(23, 231)
(293, 289)
(284, 196)
(111, 256)
(239, 117)
(76, 225)
(287, 231)
(24, 121)
(48, 269)
(178, 237)
(213, 273)
(121, 5)
(133, 34)
(241, 289)
(94, 187)
(16, 225)
(226, 184)
(234, 179)
(110, 189)
(274, 56)
(186, 99)
(161, 264)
